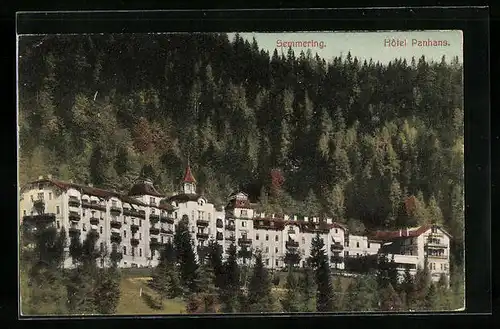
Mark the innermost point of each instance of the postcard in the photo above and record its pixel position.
(207, 173)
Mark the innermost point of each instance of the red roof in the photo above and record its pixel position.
(188, 177)
(403, 233)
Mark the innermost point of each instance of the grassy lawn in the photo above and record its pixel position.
(132, 303)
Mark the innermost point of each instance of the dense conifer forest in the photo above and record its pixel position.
(304, 135)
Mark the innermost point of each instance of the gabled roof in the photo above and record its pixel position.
(403, 233)
(130, 200)
(188, 176)
(144, 188)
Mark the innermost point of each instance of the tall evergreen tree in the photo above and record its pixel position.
(260, 298)
(185, 255)
(231, 289)
(307, 288)
(291, 302)
(319, 262)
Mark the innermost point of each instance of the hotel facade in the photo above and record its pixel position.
(138, 223)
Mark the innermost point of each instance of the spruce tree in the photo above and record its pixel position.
(42, 283)
(230, 291)
(319, 262)
(214, 258)
(408, 288)
(362, 294)
(204, 299)
(107, 289)
(82, 279)
(430, 300)
(422, 283)
(338, 294)
(389, 299)
(185, 255)
(260, 297)
(307, 288)
(292, 302)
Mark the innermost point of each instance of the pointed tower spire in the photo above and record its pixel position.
(189, 182)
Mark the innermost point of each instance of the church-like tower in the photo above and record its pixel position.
(188, 183)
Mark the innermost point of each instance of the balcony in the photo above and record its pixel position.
(43, 218)
(115, 210)
(116, 238)
(164, 218)
(93, 205)
(94, 221)
(73, 201)
(154, 218)
(141, 214)
(231, 238)
(134, 228)
(290, 244)
(166, 231)
(244, 241)
(131, 212)
(154, 231)
(74, 216)
(435, 244)
(336, 259)
(336, 247)
(134, 242)
(230, 227)
(202, 222)
(219, 223)
(202, 236)
(154, 243)
(219, 236)
(74, 231)
(438, 256)
(116, 224)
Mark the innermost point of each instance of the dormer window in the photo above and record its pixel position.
(200, 202)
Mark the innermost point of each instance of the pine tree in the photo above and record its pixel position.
(82, 279)
(338, 294)
(408, 288)
(307, 288)
(389, 299)
(185, 255)
(42, 284)
(107, 290)
(204, 299)
(292, 299)
(215, 261)
(319, 262)
(362, 295)
(422, 284)
(430, 298)
(259, 288)
(231, 274)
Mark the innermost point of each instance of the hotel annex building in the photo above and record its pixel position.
(139, 222)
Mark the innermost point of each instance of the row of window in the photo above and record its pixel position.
(133, 252)
(443, 267)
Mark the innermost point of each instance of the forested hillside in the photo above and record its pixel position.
(346, 138)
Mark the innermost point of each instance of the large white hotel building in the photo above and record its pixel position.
(139, 222)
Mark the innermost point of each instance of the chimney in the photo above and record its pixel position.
(71, 181)
(287, 217)
(294, 217)
(40, 177)
(306, 219)
(328, 220)
(272, 215)
(400, 232)
(407, 232)
(91, 185)
(49, 176)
